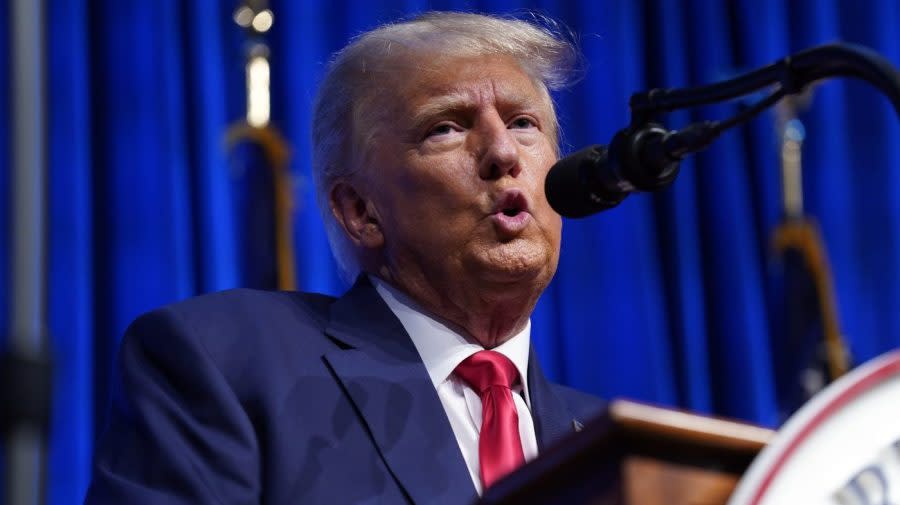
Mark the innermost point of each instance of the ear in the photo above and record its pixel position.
(356, 215)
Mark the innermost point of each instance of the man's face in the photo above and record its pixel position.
(456, 172)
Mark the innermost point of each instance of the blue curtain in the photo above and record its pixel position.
(663, 299)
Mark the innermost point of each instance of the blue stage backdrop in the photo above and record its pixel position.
(663, 299)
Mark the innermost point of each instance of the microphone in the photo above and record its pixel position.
(647, 158)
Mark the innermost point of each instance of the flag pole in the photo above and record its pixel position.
(25, 379)
(800, 233)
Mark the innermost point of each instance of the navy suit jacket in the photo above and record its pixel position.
(246, 397)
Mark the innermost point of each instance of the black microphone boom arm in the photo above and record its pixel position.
(644, 156)
(793, 73)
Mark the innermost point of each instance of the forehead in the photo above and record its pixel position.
(434, 83)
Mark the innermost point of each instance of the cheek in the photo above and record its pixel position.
(542, 150)
(553, 235)
(557, 230)
(447, 181)
(545, 157)
(431, 200)
(542, 158)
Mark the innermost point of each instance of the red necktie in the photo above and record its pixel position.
(491, 375)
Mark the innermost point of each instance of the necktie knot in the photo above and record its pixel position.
(487, 368)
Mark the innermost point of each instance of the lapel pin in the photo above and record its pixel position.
(576, 425)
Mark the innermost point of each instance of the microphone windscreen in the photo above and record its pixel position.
(574, 184)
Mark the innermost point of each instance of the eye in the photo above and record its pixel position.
(522, 122)
(441, 129)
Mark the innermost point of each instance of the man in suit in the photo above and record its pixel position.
(432, 138)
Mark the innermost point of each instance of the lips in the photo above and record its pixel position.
(511, 212)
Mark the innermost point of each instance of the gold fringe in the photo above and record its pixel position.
(802, 235)
(278, 154)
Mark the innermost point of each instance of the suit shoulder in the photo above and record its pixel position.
(239, 324)
(243, 305)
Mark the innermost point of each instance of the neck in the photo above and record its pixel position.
(488, 317)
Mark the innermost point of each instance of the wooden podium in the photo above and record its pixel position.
(637, 454)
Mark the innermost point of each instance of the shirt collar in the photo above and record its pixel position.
(441, 348)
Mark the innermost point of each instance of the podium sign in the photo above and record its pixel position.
(841, 448)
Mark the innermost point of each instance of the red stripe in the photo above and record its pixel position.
(865, 383)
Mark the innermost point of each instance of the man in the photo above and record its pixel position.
(432, 139)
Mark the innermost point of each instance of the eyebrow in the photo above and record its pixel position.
(441, 105)
(453, 102)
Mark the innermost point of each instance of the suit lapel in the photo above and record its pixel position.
(552, 418)
(384, 377)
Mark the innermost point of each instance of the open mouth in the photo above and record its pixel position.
(511, 204)
(511, 213)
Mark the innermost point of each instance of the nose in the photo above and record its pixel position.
(499, 150)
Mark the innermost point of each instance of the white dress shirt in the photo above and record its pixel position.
(442, 349)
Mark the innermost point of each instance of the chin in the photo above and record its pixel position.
(512, 263)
